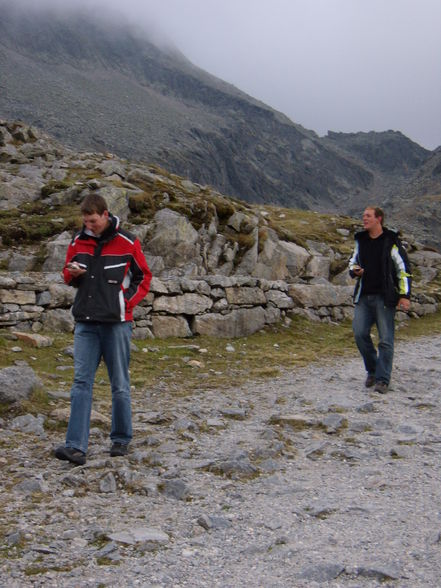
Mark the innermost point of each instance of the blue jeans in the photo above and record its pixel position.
(110, 341)
(371, 310)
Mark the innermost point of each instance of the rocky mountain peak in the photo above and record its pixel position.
(101, 86)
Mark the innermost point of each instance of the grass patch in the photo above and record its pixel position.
(36, 570)
(160, 364)
(428, 325)
(34, 223)
(300, 226)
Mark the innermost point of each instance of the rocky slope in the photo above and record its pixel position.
(220, 266)
(105, 87)
(421, 199)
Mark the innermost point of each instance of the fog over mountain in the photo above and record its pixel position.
(96, 83)
(342, 65)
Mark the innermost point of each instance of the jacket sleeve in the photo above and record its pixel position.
(67, 276)
(140, 277)
(354, 260)
(402, 269)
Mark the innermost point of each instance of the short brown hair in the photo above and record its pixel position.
(93, 203)
(379, 212)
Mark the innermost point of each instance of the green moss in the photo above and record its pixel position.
(54, 186)
(35, 570)
(37, 403)
(105, 561)
(143, 203)
(224, 209)
(245, 241)
(34, 223)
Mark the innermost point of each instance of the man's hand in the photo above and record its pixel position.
(358, 271)
(403, 304)
(75, 270)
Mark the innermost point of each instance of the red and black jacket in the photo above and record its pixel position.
(117, 275)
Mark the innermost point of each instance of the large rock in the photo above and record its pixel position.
(17, 297)
(318, 295)
(141, 535)
(117, 201)
(249, 260)
(15, 190)
(58, 320)
(56, 252)
(61, 295)
(110, 167)
(296, 257)
(279, 260)
(238, 323)
(215, 252)
(170, 326)
(17, 383)
(425, 258)
(245, 295)
(175, 240)
(34, 339)
(318, 267)
(242, 222)
(279, 299)
(188, 303)
(271, 262)
(21, 263)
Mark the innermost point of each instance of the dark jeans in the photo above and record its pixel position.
(371, 310)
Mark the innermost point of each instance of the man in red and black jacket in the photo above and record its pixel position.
(107, 266)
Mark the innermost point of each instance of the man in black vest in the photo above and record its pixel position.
(381, 266)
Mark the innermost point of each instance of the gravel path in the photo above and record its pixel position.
(307, 480)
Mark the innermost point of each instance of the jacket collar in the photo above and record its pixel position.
(107, 235)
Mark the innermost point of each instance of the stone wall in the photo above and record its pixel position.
(216, 305)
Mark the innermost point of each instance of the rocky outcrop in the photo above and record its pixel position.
(220, 267)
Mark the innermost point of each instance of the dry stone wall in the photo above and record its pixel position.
(216, 305)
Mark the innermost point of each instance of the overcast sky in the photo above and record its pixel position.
(340, 65)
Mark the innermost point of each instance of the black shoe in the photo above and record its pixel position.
(370, 381)
(119, 449)
(70, 454)
(381, 387)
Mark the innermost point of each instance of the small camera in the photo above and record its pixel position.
(73, 265)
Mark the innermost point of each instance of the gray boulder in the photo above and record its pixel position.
(318, 295)
(58, 320)
(17, 383)
(170, 326)
(238, 323)
(117, 201)
(189, 303)
(56, 252)
(175, 240)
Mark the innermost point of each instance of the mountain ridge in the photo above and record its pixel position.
(121, 93)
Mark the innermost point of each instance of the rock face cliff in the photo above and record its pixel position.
(105, 87)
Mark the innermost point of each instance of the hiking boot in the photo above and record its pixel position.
(70, 454)
(119, 449)
(370, 381)
(381, 387)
